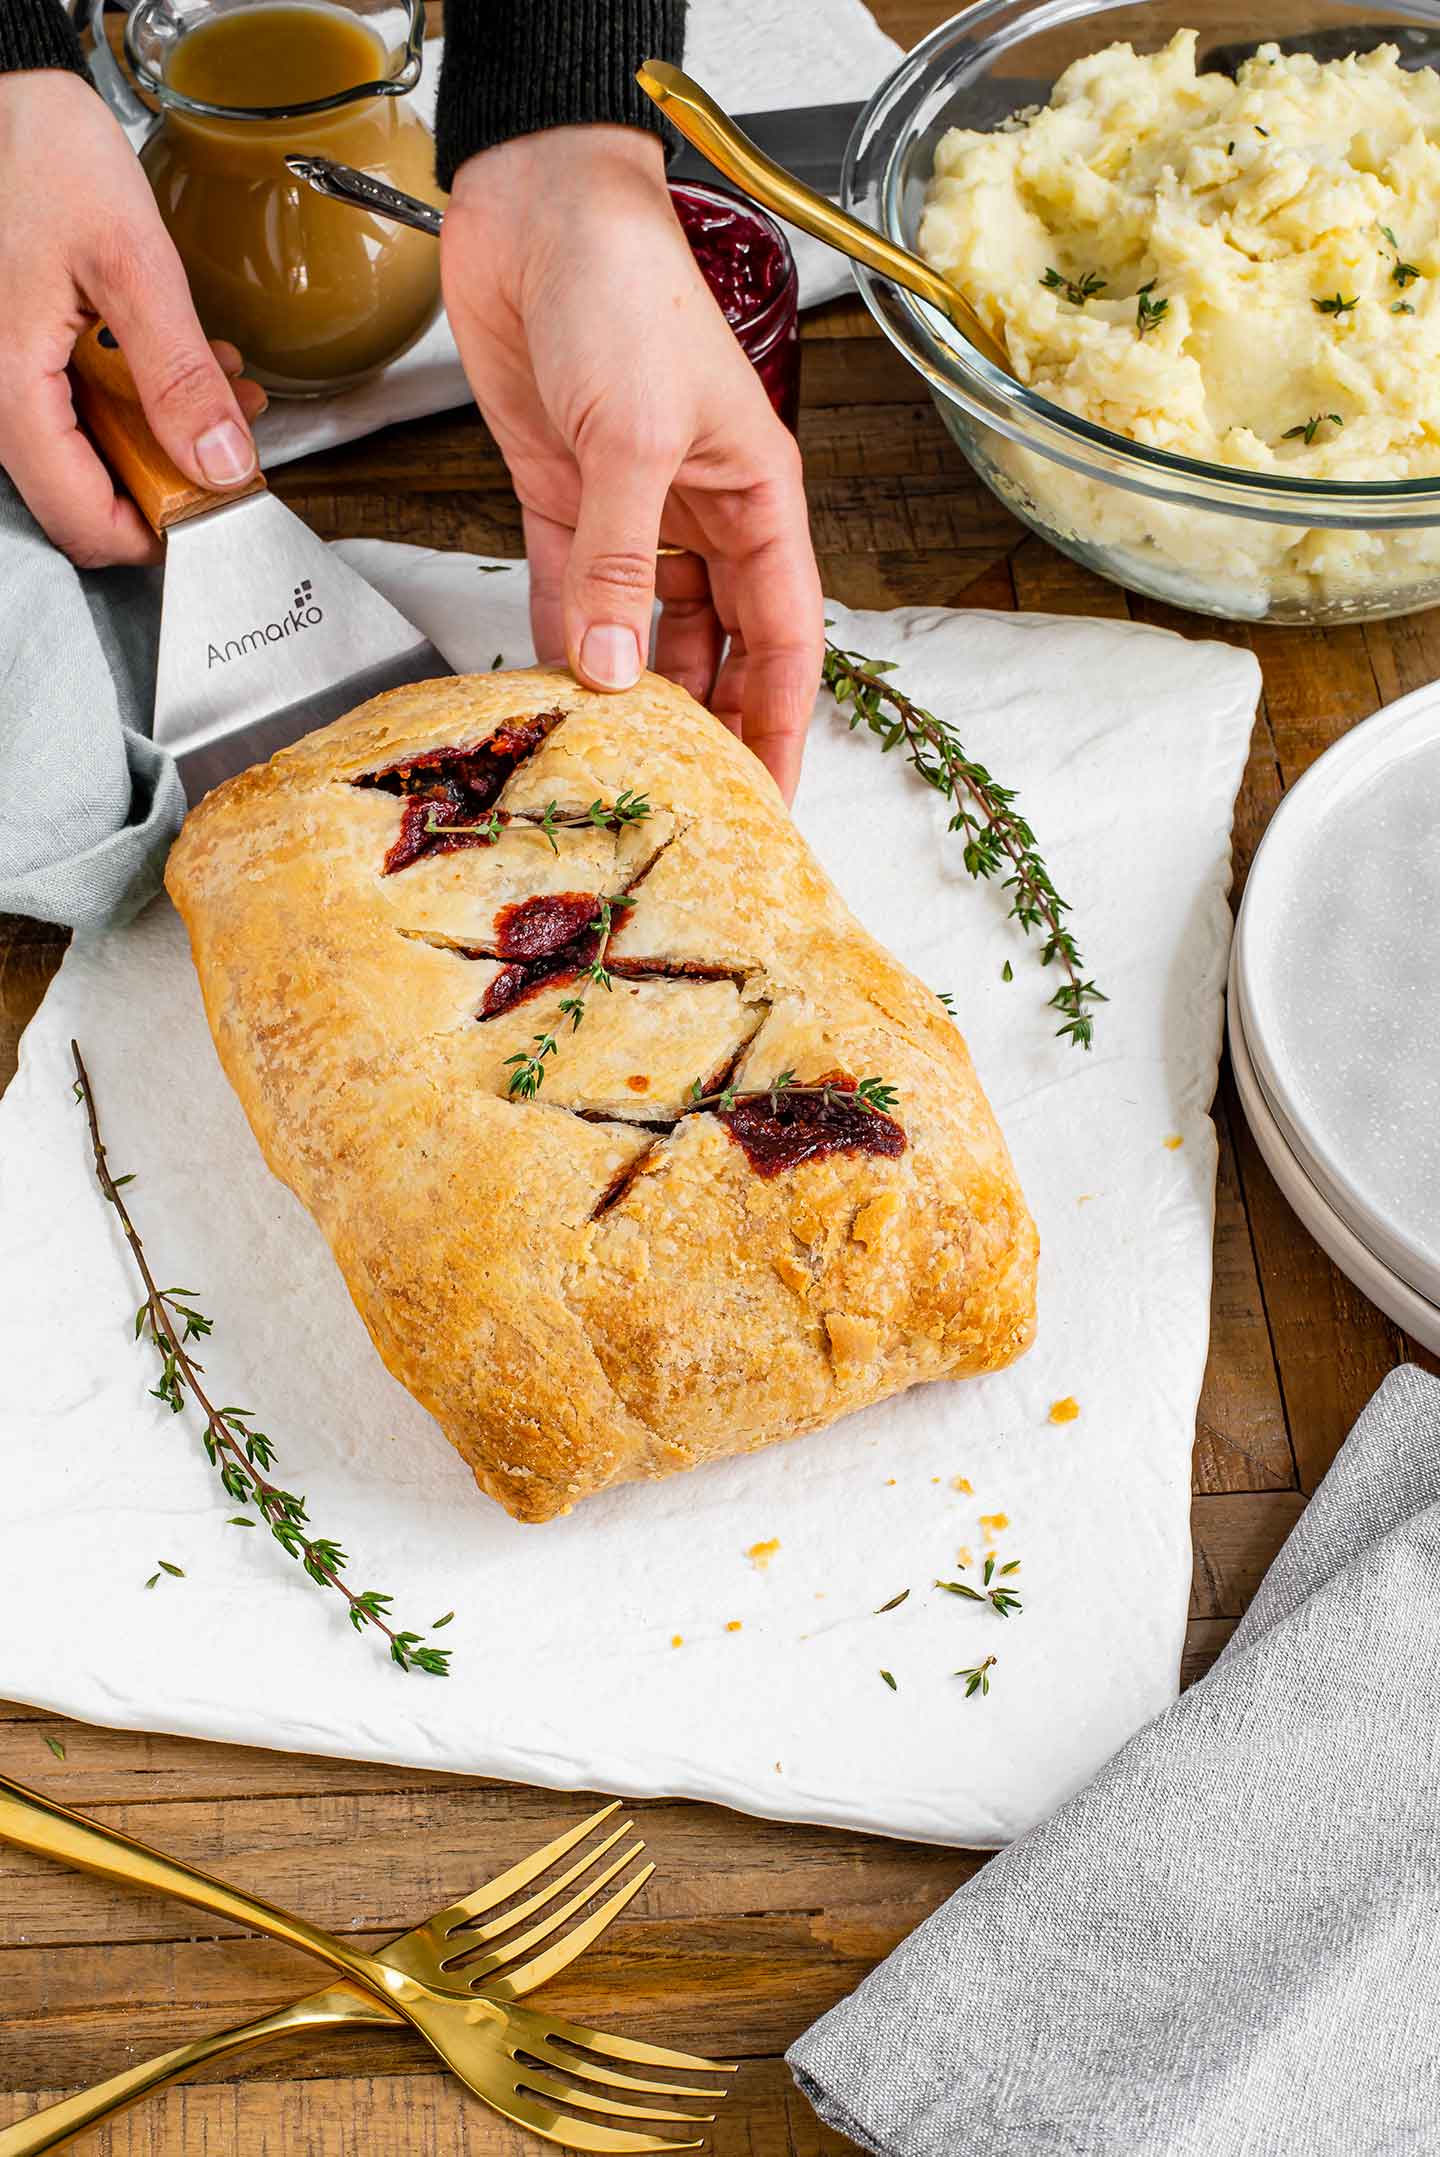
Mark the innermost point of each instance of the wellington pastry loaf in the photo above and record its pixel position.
(634, 1149)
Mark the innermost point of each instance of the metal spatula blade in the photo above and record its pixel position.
(264, 633)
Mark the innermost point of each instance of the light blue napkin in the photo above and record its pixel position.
(1229, 1944)
(88, 805)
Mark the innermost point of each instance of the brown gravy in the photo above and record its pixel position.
(315, 294)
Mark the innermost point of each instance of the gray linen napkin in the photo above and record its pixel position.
(88, 804)
(1229, 1944)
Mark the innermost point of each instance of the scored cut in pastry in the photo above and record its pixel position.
(633, 1147)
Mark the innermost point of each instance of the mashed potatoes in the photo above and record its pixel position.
(1240, 271)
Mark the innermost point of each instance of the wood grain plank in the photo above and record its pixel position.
(1241, 1442)
(730, 1987)
(1404, 653)
(900, 577)
(386, 2114)
(30, 953)
(1235, 1539)
(379, 1859)
(1204, 1638)
(1047, 582)
(1318, 682)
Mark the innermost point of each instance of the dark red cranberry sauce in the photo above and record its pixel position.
(514, 984)
(548, 940)
(808, 1127)
(535, 928)
(455, 786)
(741, 256)
(745, 260)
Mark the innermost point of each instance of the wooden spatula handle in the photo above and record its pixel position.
(109, 405)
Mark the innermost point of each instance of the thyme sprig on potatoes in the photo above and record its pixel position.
(1077, 290)
(996, 836)
(241, 1453)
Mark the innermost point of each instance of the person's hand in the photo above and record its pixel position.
(80, 236)
(629, 415)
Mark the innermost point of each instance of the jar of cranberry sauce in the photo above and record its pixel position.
(747, 264)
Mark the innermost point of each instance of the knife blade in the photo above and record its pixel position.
(810, 140)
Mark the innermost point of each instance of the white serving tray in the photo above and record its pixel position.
(1127, 744)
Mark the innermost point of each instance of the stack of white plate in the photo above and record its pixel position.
(1334, 1006)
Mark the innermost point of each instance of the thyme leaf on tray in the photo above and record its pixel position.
(996, 836)
(978, 1677)
(241, 1453)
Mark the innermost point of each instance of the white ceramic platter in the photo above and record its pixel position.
(1336, 979)
(1356, 1261)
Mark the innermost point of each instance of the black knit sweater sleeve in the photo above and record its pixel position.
(513, 66)
(37, 33)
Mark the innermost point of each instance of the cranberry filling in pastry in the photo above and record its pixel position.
(455, 786)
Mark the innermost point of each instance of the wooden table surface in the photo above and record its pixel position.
(749, 1929)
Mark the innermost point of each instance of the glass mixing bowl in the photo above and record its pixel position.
(1202, 536)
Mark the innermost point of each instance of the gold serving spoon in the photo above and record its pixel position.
(715, 135)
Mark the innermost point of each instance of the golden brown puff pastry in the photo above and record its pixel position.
(602, 1281)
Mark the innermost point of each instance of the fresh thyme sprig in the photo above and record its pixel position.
(996, 835)
(872, 1094)
(978, 1677)
(1309, 428)
(241, 1453)
(1149, 314)
(1404, 273)
(527, 1071)
(1001, 1600)
(630, 808)
(1337, 305)
(1075, 289)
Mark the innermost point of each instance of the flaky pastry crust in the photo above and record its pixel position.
(595, 1284)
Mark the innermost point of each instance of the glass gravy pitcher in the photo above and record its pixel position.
(315, 297)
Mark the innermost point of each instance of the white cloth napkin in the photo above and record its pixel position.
(1127, 745)
(1226, 1945)
(752, 56)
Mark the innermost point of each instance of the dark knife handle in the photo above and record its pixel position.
(1419, 45)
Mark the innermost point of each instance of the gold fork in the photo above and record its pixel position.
(434, 1948)
(545, 2074)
